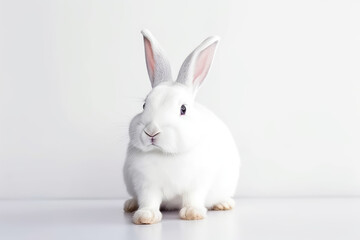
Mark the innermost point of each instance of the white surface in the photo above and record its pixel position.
(302, 218)
(285, 79)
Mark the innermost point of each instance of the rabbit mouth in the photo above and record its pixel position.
(153, 143)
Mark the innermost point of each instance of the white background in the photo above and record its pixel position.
(286, 79)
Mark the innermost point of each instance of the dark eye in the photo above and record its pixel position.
(183, 110)
(144, 106)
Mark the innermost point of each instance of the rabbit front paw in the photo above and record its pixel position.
(147, 216)
(192, 213)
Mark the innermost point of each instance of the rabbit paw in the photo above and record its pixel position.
(147, 216)
(192, 213)
(224, 205)
(131, 205)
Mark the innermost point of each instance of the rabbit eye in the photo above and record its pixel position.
(183, 110)
(144, 106)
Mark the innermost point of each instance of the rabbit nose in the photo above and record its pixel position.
(151, 130)
(151, 134)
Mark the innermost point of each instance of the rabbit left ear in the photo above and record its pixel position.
(197, 65)
(157, 64)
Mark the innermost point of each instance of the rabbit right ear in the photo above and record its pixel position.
(157, 64)
(196, 66)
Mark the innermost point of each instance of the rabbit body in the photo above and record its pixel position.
(211, 167)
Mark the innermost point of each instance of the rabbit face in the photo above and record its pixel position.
(168, 122)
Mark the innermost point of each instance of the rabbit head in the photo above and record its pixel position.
(171, 121)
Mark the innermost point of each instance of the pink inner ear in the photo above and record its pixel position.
(150, 61)
(203, 63)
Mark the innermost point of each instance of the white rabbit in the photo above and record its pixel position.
(180, 155)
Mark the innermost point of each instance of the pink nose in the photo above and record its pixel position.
(152, 134)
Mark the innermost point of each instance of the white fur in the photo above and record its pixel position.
(193, 163)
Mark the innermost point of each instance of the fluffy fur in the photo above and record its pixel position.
(187, 162)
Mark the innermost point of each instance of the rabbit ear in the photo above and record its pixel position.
(157, 64)
(196, 66)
